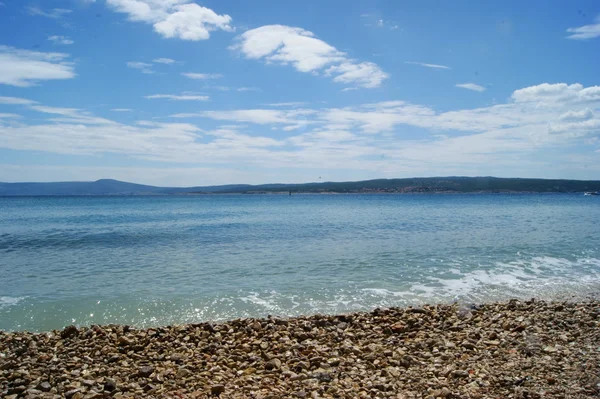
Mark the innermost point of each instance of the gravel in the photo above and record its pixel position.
(516, 349)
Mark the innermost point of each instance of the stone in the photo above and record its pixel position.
(44, 386)
(70, 394)
(123, 340)
(145, 371)
(217, 390)
(273, 364)
(110, 385)
(183, 372)
(69, 332)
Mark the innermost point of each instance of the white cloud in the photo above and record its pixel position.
(470, 86)
(585, 32)
(557, 93)
(364, 74)
(575, 116)
(202, 76)
(285, 45)
(363, 141)
(142, 66)
(16, 101)
(60, 40)
(349, 89)
(247, 89)
(71, 115)
(55, 13)
(530, 107)
(258, 116)
(178, 97)
(174, 18)
(292, 104)
(121, 109)
(25, 68)
(9, 115)
(433, 66)
(166, 61)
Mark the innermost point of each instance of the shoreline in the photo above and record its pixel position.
(520, 349)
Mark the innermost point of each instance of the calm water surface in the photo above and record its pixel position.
(162, 260)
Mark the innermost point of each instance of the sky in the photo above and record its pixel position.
(183, 92)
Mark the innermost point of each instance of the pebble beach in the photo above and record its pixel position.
(515, 349)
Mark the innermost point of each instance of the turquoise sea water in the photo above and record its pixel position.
(164, 260)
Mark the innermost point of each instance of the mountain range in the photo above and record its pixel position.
(453, 184)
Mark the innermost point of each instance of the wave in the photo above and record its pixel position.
(7, 301)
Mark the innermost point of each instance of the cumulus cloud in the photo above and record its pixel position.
(25, 68)
(557, 93)
(585, 32)
(581, 115)
(180, 19)
(60, 40)
(364, 74)
(286, 45)
(561, 103)
(433, 66)
(470, 86)
(177, 97)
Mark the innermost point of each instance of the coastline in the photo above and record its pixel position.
(520, 349)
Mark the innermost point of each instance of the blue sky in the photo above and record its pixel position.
(177, 92)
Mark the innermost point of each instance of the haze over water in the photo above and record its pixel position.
(148, 261)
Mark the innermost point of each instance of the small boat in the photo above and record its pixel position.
(591, 193)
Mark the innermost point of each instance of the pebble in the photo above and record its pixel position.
(216, 390)
(530, 349)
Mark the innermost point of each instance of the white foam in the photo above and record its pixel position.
(542, 277)
(6, 301)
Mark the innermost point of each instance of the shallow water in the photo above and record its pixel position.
(162, 260)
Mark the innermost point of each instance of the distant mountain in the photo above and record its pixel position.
(453, 184)
(103, 187)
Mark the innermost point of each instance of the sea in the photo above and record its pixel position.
(163, 260)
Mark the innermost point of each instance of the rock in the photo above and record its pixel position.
(110, 385)
(145, 371)
(69, 332)
(123, 340)
(460, 374)
(217, 390)
(183, 372)
(322, 376)
(398, 328)
(44, 386)
(273, 364)
(334, 362)
(468, 345)
(70, 394)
